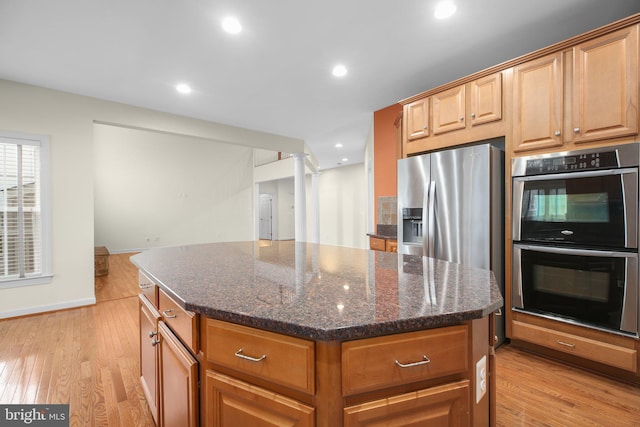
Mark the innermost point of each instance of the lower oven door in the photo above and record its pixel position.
(592, 288)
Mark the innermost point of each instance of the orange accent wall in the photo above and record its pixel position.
(385, 153)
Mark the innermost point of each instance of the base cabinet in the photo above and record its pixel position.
(446, 405)
(168, 370)
(149, 355)
(232, 403)
(413, 378)
(178, 382)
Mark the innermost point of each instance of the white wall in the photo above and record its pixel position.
(68, 120)
(343, 206)
(156, 189)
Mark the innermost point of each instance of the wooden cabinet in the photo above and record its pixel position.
(178, 381)
(455, 114)
(583, 94)
(168, 369)
(380, 244)
(260, 378)
(392, 246)
(449, 110)
(149, 355)
(375, 363)
(614, 355)
(538, 103)
(446, 405)
(415, 125)
(236, 403)
(605, 87)
(277, 358)
(377, 244)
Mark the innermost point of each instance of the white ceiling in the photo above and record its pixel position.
(275, 76)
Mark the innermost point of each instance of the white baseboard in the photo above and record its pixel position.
(46, 308)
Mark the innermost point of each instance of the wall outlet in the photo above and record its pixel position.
(481, 378)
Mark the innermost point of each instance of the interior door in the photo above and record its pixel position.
(266, 215)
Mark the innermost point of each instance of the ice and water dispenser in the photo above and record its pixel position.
(412, 225)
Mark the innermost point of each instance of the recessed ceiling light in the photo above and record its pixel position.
(183, 88)
(231, 25)
(339, 70)
(445, 9)
(345, 160)
(338, 145)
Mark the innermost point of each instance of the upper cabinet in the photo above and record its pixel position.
(605, 87)
(583, 94)
(449, 110)
(454, 115)
(538, 103)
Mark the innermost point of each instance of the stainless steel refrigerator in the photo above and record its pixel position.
(451, 207)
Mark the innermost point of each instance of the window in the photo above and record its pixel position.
(25, 254)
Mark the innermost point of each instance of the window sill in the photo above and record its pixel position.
(28, 281)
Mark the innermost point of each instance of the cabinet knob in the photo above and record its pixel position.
(473, 115)
(425, 127)
(152, 334)
(462, 118)
(155, 342)
(557, 133)
(576, 130)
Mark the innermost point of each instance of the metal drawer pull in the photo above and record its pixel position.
(424, 361)
(169, 311)
(252, 359)
(566, 344)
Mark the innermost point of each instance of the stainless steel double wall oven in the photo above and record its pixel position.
(575, 237)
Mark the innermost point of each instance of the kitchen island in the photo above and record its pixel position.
(290, 333)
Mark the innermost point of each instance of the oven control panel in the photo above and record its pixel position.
(571, 163)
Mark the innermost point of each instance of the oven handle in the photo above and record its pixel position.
(572, 175)
(579, 252)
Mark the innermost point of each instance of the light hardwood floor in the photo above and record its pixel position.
(89, 357)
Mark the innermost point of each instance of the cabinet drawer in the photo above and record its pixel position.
(609, 354)
(377, 244)
(382, 362)
(182, 322)
(148, 288)
(281, 359)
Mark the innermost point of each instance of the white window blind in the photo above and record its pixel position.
(23, 254)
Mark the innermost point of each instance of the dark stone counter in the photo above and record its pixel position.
(320, 292)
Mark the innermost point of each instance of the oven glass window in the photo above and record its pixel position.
(587, 211)
(586, 289)
(555, 205)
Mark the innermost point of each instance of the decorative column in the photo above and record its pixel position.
(300, 198)
(315, 207)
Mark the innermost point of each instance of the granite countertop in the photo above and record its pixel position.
(385, 231)
(320, 292)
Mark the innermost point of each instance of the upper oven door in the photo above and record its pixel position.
(591, 208)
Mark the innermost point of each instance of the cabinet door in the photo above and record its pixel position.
(416, 119)
(538, 103)
(232, 403)
(178, 382)
(446, 405)
(605, 87)
(149, 318)
(486, 99)
(448, 110)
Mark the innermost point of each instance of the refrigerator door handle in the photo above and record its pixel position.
(431, 251)
(425, 218)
